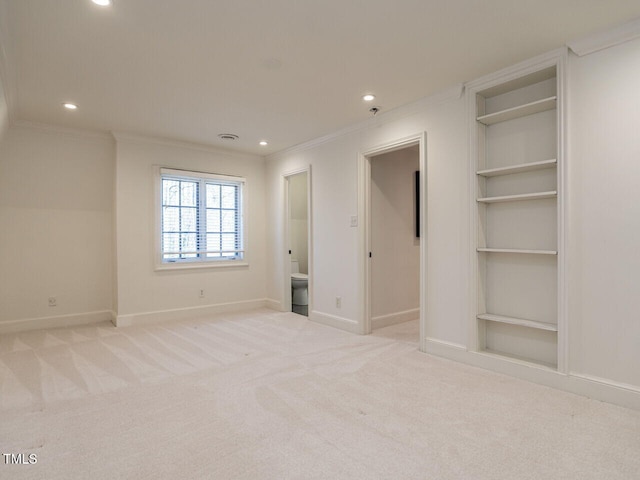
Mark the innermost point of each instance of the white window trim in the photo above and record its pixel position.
(159, 265)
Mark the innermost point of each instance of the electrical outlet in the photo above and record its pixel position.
(53, 301)
(338, 302)
(353, 221)
(201, 294)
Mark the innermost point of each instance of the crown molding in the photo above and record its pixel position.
(605, 39)
(57, 129)
(519, 69)
(417, 106)
(167, 142)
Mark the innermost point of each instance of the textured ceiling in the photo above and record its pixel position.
(285, 71)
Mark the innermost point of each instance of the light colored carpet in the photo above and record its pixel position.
(268, 395)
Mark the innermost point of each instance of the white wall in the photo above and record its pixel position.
(4, 74)
(604, 214)
(395, 265)
(4, 113)
(142, 290)
(298, 223)
(335, 198)
(56, 234)
(602, 226)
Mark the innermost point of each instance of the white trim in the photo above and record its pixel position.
(364, 236)
(286, 229)
(341, 323)
(436, 346)
(57, 321)
(562, 187)
(595, 380)
(159, 316)
(521, 69)
(58, 130)
(395, 318)
(417, 106)
(605, 39)
(557, 58)
(166, 142)
(274, 304)
(7, 73)
(159, 264)
(184, 173)
(170, 266)
(592, 387)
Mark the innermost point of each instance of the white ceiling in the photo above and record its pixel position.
(282, 70)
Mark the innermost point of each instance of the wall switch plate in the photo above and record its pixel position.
(338, 302)
(201, 294)
(354, 221)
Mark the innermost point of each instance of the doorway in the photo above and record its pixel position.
(393, 242)
(297, 289)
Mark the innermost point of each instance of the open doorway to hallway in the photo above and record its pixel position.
(392, 202)
(394, 240)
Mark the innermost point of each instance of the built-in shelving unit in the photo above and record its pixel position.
(518, 321)
(516, 250)
(515, 163)
(519, 111)
(526, 167)
(519, 197)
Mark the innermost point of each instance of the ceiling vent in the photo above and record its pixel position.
(228, 136)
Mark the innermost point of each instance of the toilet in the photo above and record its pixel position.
(299, 283)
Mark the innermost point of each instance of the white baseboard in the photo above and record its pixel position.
(333, 321)
(273, 304)
(597, 388)
(395, 318)
(57, 321)
(145, 318)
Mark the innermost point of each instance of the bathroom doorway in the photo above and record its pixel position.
(393, 239)
(297, 270)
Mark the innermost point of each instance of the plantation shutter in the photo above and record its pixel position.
(201, 216)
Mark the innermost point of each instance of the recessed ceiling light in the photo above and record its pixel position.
(70, 106)
(368, 97)
(263, 143)
(102, 3)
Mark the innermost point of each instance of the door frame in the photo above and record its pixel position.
(364, 240)
(286, 265)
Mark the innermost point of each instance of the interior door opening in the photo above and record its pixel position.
(297, 291)
(392, 204)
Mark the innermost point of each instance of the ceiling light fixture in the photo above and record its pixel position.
(102, 3)
(368, 97)
(70, 106)
(263, 143)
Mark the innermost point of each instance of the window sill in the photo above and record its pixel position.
(165, 267)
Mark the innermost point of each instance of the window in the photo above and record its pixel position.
(201, 217)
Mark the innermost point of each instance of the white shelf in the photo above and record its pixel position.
(518, 359)
(516, 250)
(520, 197)
(525, 167)
(519, 111)
(518, 321)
